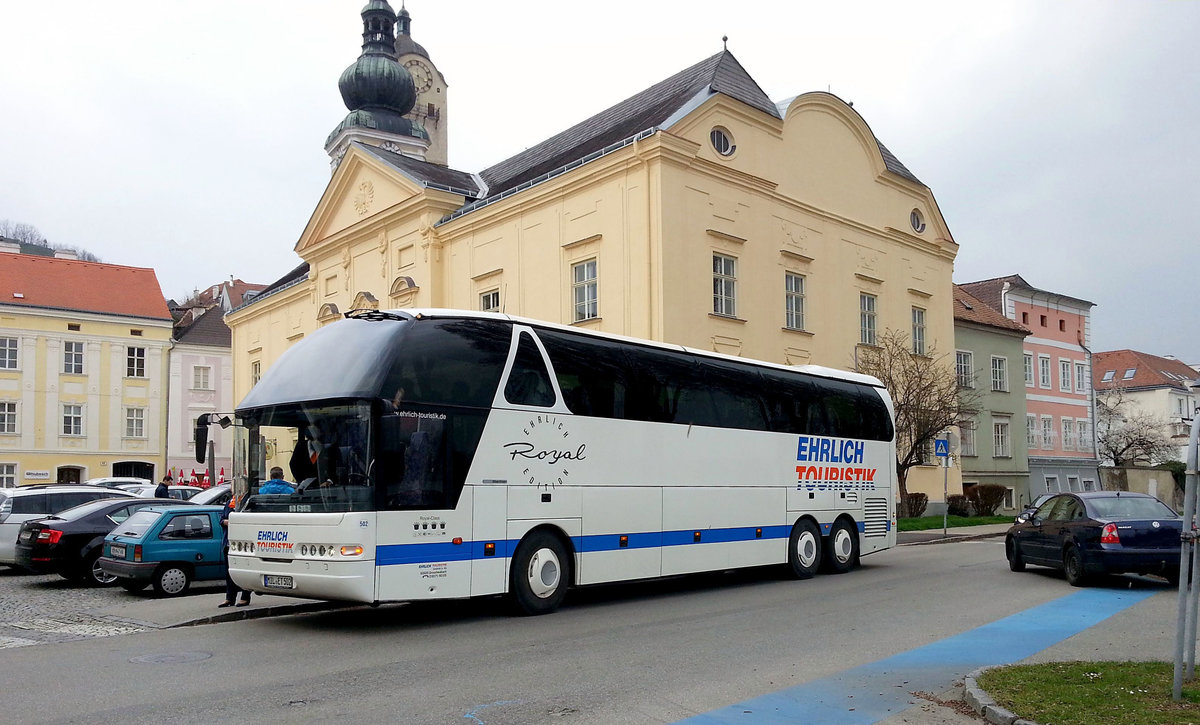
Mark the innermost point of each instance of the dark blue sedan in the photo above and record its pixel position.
(1099, 532)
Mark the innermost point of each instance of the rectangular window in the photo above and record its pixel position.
(1089, 485)
(72, 420)
(1000, 438)
(1064, 375)
(1009, 498)
(1044, 371)
(1028, 370)
(1031, 430)
(793, 301)
(866, 318)
(1052, 484)
(1108, 376)
(8, 353)
(1048, 432)
(964, 368)
(490, 301)
(1068, 431)
(73, 358)
(966, 430)
(1083, 436)
(135, 362)
(135, 423)
(1081, 377)
(8, 417)
(1000, 373)
(585, 290)
(8, 475)
(200, 377)
(724, 286)
(1129, 373)
(918, 331)
(255, 373)
(1072, 483)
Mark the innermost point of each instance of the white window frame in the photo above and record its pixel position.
(8, 417)
(1064, 375)
(1081, 377)
(1083, 435)
(966, 438)
(135, 422)
(73, 358)
(794, 292)
(918, 330)
(1048, 432)
(1044, 380)
(1089, 485)
(1068, 434)
(489, 301)
(1029, 382)
(1000, 374)
(868, 311)
(1010, 497)
(1001, 437)
(1108, 376)
(76, 415)
(255, 372)
(964, 368)
(135, 362)
(1073, 483)
(724, 285)
(199, 372)
(1033, 437)
(8, 475)
(585, 290)
(10, 353)
(1054, 480)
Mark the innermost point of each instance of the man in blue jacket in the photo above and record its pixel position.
(276, 484)
(162, 490)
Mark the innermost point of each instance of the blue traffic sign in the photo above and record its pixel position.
(941, 447)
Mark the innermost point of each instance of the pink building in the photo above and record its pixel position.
(1059, 420)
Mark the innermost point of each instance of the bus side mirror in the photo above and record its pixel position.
(201, 437)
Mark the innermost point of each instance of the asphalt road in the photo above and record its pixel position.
(651, 653)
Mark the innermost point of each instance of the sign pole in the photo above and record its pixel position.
(941, 449)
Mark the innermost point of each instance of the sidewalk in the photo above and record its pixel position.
(146, 610)
(957, 533)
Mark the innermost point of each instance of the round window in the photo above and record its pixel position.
(917, 221)
(722, 141)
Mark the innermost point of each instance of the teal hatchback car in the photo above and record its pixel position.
(166, 546)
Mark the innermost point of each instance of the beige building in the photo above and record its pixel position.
(83, 362)
(697, 211)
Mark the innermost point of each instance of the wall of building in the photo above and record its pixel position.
(189, 401)
(1159, 484)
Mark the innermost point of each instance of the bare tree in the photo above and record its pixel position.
(21, 232)
(1127, 435)
(925, 394)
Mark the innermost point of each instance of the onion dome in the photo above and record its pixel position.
(405, 45)
(376, 81)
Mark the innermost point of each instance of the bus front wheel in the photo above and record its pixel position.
(539, 574)
(804, 549)
(842, 552)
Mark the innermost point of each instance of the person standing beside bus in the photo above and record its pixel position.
(231, 589)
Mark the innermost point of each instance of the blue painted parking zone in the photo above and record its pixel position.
(878, 690)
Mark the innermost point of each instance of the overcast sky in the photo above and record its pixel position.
(1059, 138)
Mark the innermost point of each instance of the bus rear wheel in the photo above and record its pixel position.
(539, 574)
(804, 549)
(842, 552)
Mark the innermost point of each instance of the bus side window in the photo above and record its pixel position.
(528, 381)
(590, 372)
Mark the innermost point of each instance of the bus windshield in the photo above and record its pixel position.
(323, 450)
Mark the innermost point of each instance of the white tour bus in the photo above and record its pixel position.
(447, 454)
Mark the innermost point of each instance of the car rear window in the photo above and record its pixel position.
(83, 510)
(1131, 507)
(34, 503)
(138, 524)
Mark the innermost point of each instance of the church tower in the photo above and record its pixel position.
(378, 92)
(430, 109)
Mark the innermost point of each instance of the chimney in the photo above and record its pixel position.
(65, 254)
(7, 245)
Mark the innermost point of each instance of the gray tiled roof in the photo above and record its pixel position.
(426, 173)
(210, 329)
(719, 74)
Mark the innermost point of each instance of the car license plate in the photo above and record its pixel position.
(277, 581)
(25, 537)
(117, 551)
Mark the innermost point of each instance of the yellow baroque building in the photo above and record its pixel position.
(697, 211)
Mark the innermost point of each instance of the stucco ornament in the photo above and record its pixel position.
(383, 254)
(391, 146)
(364, 198)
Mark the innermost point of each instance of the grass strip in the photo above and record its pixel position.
(935, 522)
(1093, 693)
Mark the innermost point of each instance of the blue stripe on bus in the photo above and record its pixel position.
(394, 554)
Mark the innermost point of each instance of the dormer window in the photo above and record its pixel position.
(1129, 374)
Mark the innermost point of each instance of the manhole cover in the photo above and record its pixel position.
(176, 658)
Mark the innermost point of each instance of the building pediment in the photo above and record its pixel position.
(361, 187)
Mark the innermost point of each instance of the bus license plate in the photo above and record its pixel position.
(276, 581)
(117, 551)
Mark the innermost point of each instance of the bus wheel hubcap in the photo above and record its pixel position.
(842, 545)
(806, 549)
(544, 573)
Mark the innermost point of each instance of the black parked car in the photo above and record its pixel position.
(1108, 532)
(70, 542)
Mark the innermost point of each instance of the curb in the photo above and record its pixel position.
(233, 616)
(952, 538)
(982, 703)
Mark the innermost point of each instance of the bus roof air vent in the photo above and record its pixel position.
(376, 315)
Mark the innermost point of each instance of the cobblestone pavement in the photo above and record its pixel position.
(38, 609)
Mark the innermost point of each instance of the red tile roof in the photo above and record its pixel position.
(69, 284)
(968, 308)
(1149, 371)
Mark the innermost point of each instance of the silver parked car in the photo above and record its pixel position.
(24, 503)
